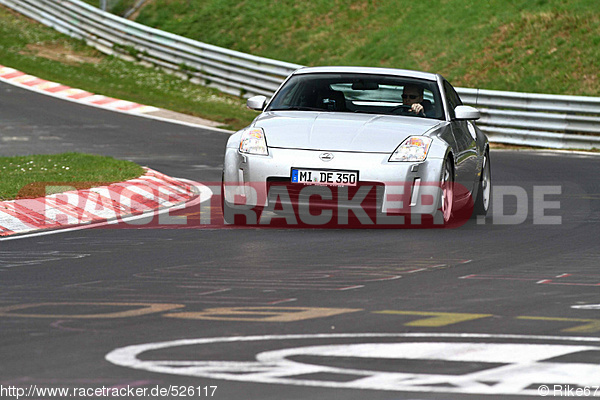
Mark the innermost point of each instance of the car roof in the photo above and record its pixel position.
(370, 70)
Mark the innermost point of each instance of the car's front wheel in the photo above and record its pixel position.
(228, 215)
(484, 192)
(247, 215)
(446, 200)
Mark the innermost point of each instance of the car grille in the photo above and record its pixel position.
(281, 188)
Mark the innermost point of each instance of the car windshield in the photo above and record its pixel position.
(358, 93)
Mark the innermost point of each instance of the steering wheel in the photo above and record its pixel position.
(407, 110)
(403, 108)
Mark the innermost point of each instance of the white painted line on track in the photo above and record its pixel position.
(551, 152)
(499, 364)
(587, 307)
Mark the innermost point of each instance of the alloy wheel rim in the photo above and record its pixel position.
(486, 184)
(447, 193)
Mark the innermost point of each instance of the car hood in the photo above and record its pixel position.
(331, 131)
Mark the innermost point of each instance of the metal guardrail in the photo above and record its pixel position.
(539, 120)
(230, 71)
(507, 117)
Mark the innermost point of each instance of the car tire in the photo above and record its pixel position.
(446, 200)
(484, 190)
(228, 215)
(229, 212)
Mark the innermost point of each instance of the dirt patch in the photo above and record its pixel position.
(58, 52)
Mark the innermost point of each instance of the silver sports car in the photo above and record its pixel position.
(356, 145)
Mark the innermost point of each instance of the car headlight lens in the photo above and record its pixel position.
(253, 141)
(414, 148)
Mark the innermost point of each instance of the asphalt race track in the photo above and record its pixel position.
(504, 308)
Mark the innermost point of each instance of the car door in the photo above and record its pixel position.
(466, 145)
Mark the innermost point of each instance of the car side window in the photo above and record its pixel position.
(452, 98)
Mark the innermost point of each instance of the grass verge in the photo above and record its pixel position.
(39, 175)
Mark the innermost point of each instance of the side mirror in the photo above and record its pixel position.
(466, 113)
(256, 103)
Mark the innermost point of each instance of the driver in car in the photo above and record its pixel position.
(412, 95)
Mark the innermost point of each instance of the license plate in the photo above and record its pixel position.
(324, 177)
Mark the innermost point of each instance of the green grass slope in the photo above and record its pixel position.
(34, 176)
(544, 46)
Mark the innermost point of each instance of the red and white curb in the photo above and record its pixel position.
(18, 78)
(151, 192)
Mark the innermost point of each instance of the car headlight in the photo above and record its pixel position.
(414, 148)
(253, 141)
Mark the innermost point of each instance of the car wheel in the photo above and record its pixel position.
(446, 193)
(228, 215)
(484, 192)
(229, 212)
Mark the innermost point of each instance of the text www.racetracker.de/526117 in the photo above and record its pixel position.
(17, 392)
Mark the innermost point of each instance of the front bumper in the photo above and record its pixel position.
(402, 187)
